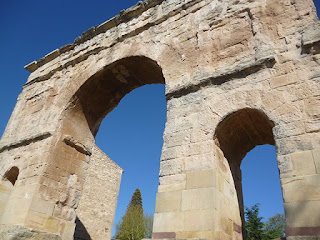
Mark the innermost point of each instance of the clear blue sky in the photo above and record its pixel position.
(131, 134)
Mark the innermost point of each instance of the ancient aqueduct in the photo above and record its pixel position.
(238, 73)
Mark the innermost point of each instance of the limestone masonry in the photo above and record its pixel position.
(238, 73)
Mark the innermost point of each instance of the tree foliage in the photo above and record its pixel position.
(136, 199)
(134, 225)
(257, 230)
(275, 226)
(254, 225)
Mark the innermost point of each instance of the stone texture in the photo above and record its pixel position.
(305, 213)
(198, 199)
(238, 74)
(201, 179)
(299, 189)
(303, 163)
(169, 201)
(97, 207)
(23, 233)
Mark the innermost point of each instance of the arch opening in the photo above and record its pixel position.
(11, 176)
(261, 185)
(81, 120)
(236, 135)
(103, 91)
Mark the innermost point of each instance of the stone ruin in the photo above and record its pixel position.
(238, 73)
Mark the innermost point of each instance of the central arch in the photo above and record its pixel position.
(103, 91)
(236, 135)
(75, 146)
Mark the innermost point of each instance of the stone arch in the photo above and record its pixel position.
(7, 183)
(241, 131)
(103, 91)
(236, 135)
(74, 148)
(11, 176)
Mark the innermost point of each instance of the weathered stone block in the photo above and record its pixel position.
(299, 189)
(201, 179)
(13, 217)
(200, 220)
(168, 222)
(171, 167)
(36, 220)
(284, 165)
(199, 162)
(311, 34)
(313, 125)
(52, 225)
(172, 179)
(42, 206)
(301, 214)
(303, 163)
(168, 201)
(172, 187)
(312, 107)
(198, 199)
(294, 144)
(283, 80)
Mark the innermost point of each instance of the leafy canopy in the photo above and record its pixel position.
(257, 230)
(275, 226)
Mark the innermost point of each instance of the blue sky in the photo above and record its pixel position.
(132, 133)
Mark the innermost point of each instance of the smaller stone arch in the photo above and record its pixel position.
(241, 131)
(7, 183)
(236, 135)
(11, 176)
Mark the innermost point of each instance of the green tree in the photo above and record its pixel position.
(136, 199)
(254, 225)
(275, 226)
(134, 225)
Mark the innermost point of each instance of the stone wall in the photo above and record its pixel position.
(98, 202)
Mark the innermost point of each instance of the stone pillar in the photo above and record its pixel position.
(301, 187)
(196, 197)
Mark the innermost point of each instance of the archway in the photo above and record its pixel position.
(236, 135)
(75, 151)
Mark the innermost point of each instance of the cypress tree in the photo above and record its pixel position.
(136, 199)
(132, 225)
(254, 225)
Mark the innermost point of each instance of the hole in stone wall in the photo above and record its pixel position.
(11, 176)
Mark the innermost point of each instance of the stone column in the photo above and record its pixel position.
(301, 187)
